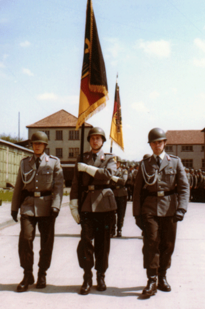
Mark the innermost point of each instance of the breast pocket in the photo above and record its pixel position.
(170, 175)
(47, 176)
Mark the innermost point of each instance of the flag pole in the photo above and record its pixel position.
(111, 143)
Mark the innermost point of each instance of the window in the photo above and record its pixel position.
(202, 148)
(59, 152)
(168, 148)
(73, 152)
(187, 148)
(73, 135)
(187, 163)
(47, 151)
(59, 135)
(202, 164)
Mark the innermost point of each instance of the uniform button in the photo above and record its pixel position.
(36, 180)
(36, 187)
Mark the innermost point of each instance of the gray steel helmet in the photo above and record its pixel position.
(156, 134)
(96, 131)
(39, 137)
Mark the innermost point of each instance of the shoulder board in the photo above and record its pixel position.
(53, 157)
(28, 157)
(172, 156)
(145, 159)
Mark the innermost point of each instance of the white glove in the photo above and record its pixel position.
(89, 169)
(82, 167)
(115, 178)
(74, 210)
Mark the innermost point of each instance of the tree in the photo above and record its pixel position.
(10, 139)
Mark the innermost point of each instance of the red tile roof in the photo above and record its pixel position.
(60, 119)
(185, 137)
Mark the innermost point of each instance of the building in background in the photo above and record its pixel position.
(188, 145)
(10, 157)
(63, 139)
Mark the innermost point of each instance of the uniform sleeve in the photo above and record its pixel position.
(182, 187)
(108, 171)
(16, 199)
(57, 185)
(138, 185)
(74, 186)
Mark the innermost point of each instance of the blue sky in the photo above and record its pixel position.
(157, 48)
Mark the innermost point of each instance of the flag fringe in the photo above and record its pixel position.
(92, 110)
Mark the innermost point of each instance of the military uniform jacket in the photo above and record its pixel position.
(171, 176)
(100, 200)
(48, 177)
(119, 187)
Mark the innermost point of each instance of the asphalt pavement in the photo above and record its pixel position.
(125, 277)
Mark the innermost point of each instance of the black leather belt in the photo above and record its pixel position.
(160, 193)
(37, 193)
(95, 187)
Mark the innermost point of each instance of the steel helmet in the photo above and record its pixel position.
(96, 131)
(39, 137)
(156, 134)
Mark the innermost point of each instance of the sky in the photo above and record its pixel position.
(157, 48)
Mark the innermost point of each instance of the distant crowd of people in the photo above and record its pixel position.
(196, 179)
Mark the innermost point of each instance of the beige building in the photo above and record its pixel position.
(188, 145)
(63, 138)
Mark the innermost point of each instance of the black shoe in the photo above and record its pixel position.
(85, 288)
(28, 279)
(41, 282)
(163, 285)
(119, 234)
(101, 286)
(151, 287)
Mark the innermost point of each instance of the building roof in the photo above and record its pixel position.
(185, 137)
(6, 143)
(60, 119)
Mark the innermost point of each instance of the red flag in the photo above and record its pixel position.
(94, 90)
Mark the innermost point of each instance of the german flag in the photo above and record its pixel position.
(94, 90)
(116, 125)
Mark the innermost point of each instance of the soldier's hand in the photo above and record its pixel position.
(54, 212)
(14, 215)
(74, 210)
(82, 167)
(139, 222)
(179, 215)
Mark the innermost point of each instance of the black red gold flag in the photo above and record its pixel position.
(94, 90)
(116, 133)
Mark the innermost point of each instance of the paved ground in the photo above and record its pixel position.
(125, 277)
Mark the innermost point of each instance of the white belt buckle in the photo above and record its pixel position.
(91, 188)
(160, 193)
(37, 194)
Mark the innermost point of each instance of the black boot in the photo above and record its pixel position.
(101, 286)
(163, 285)
(119, 233)
(87, 284)
(41, 282)
(151, 287)
(28, 279)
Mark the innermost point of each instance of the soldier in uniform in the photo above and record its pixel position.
(120, 192)
(164, 204)
(38, 193)
(97, 208)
